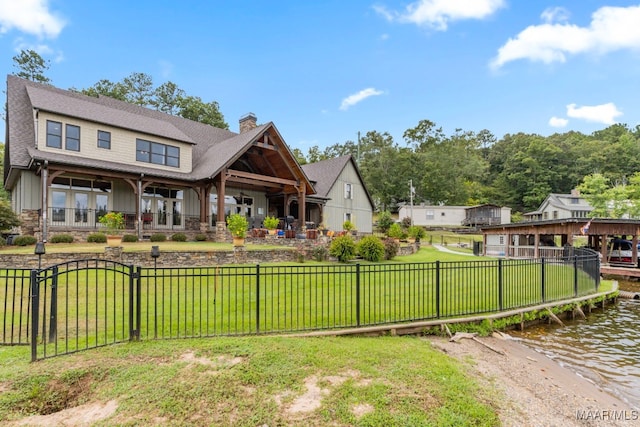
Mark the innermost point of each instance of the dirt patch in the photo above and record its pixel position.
(83, 415)
(361, 410)
(535, 390)
(221, 362)
(311, 399)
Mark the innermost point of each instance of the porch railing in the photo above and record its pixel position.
(73, 218)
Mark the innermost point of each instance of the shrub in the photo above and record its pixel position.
(158, 237)
(3, 241)
(343, 248)
(129, 238)
(179, 237)
(62, 238)
(320, 253)
(395, 231)
(391, 248)
(384, 221)
(348, 226)
(406, 222)
(24, 240)
(201, 238)
(301, 253)
(371, 249)
(97, 238)
(416, 232)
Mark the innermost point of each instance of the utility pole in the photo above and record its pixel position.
(411, 193)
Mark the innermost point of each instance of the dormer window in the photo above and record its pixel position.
(54, 134)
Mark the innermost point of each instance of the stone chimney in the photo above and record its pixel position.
(248, 122)
(575, 192)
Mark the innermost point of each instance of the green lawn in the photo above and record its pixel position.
(390, 381)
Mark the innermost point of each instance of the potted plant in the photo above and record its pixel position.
(113, 222)
(395, 232)
(237, 225)
(416, 233)
(271, 223)
(349, 227)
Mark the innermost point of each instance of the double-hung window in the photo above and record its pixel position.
(72, 138)
(104, 139)
(54, 134)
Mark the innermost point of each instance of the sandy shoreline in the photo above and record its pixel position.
(536, 390)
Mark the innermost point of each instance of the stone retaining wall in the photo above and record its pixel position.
(241, 255)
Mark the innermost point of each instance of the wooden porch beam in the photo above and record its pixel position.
(253, 182)
(265, 146)
(256, 177)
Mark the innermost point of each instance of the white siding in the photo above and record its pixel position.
(434, 215)
(26, 193)
(123, 143)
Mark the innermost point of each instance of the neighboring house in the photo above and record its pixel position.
(487, 214)
(70, 158)
(561, 206)
(434, 215)
(341, 192)
(455, 216)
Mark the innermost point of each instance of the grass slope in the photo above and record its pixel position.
(253, 381)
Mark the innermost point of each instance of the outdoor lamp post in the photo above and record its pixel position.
(40, 250)
(155, 253)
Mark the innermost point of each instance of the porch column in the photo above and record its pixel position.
(536, 245)
(220, 189)
(634, 250)
(302, 207)
(603, 248)
(508, 246)
(45, 203)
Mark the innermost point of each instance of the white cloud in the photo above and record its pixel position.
(438, 13)
(30, 16)
(611, 28)
(558, 122)
(605, 113)
(352, 100)
(555, 14)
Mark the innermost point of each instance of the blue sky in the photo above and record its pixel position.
(323, 71)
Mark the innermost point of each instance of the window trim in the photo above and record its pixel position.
(157, 150)
(49, 134)
(104, 142)
(68, 138)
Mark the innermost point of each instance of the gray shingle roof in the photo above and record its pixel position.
(325, 173)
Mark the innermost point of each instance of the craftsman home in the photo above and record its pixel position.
(70, 158)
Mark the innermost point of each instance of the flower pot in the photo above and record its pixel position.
(114, 241)
(238, 241)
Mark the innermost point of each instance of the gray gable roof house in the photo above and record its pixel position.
(70, 158)
(339, 182)
(561, 206)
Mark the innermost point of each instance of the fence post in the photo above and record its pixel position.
(53, 315)
(575, 276)
(437, 289)
(257, 298)
(35, 300)
(138, 301)
(542, 280)
(132, 331)
(500, 285)
(358, 294)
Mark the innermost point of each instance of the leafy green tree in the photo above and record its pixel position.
(31, 66)
(8, 217)
(594, 189)
(167, 97)
(193, 108)
(299, 155)
(108, 88)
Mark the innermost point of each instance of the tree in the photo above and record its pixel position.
(108, 88)
(31, 66)
(193, 108)
(167, 97)
(139, 88)
(8, 217)
(594, 189)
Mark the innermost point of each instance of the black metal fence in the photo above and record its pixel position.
(91, 303)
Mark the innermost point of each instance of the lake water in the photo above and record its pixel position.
(604, 348)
